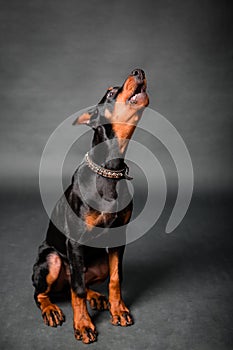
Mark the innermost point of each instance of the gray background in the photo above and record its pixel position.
(58, 57)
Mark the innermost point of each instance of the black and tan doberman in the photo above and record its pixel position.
(64, 259)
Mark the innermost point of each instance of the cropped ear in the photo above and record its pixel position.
(89, 117)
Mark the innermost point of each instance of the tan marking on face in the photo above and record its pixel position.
(128, 89)
(123, 133)
(125, 115)
(107, 113)
(124, 120)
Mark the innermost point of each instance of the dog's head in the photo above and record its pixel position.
(119, 104)
(121, 107)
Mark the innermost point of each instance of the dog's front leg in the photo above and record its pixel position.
(84, 329)
(119, 312)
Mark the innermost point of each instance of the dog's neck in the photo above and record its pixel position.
(105, 152)
(105, 149)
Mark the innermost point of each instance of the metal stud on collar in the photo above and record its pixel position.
(111, 174)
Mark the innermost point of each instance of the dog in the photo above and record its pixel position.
(66, 257)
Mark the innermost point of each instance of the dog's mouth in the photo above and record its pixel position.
(133, 92)
(138, 95)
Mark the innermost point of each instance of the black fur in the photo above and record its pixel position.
(68, 242)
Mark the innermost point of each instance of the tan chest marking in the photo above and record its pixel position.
(94, 219)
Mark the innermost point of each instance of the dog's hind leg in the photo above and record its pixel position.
(97, 273)
(45, 273)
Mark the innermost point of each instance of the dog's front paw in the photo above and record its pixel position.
(120, 315)
(123, 319)
(87, 333)
(53, 316)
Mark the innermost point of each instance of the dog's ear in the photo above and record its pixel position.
(89, 117)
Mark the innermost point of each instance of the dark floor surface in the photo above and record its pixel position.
(178, 286)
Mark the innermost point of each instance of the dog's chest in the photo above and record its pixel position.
(100, 219)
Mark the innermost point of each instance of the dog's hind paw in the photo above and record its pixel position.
(97, 301)
(53, 316)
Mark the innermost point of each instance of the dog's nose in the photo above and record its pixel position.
(139, 74)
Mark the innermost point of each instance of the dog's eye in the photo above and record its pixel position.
(110, 94)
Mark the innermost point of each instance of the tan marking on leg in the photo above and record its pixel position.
(84, 329)
(51, 313)
(120, 313)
